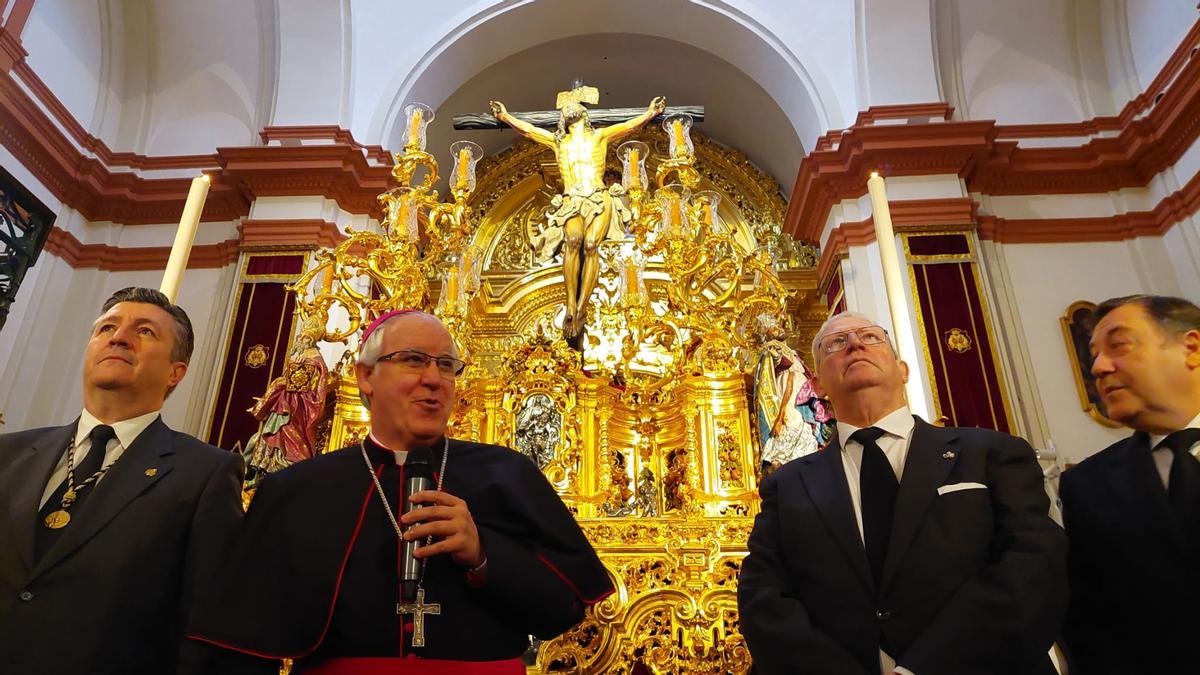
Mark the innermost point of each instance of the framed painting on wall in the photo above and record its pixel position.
(1077, 331)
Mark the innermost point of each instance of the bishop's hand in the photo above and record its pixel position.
(447, 519)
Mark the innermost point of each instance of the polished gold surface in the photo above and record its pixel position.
(645, 430)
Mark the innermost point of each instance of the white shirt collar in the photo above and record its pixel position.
(1155, 439)
(127, 430)
(898, 423)
(401, 455)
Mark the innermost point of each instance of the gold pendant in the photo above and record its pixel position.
(58, 519)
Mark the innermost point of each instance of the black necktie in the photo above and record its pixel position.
(1183, 483)
(877, 487)
(86, 464)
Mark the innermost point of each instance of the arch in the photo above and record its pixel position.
(488, 32)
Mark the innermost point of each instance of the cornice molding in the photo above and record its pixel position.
(1153, 131)
(273, 234)
(64, 245)
(323, 132)
(1170, 211)
(908, 215)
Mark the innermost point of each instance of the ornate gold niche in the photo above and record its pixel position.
(662, 476)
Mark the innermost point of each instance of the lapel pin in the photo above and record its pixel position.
(949, 454)
(151, 472)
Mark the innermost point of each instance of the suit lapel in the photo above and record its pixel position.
(925, 468)
(1135, 480)
(129, 477)
(825, 478)
(26, 483)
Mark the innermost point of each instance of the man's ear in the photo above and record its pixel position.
(903, 371)
(178, 370)
(362, 373)
(1191, 346)
(815, 380)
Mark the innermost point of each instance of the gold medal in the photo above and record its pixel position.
(58, 520)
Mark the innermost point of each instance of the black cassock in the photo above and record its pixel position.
(314, 575)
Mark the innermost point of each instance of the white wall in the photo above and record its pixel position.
(63, 39)
(1013, 61)
(206, 75)
(1044, 279)
(1155, 28)
(42, 353)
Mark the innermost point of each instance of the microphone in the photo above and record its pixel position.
(418, 476)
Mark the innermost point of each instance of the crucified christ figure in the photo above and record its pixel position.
(587, 208)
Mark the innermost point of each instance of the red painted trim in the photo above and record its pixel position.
(11, 51)
(572, 585)
(332, 603)
(89, 142)
(1154, 130)
(18, 16)
(904, 111)
(323, 132)
(312, 232)
(77, 255)
(1169, 212)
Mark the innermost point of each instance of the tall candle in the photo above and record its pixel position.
(631, 276)
(635, 169)
(464, 168)
(894, 286)
(414, 129)
(467, 263)
(452, 287)
(184, 236)
(678, 217)
(680, 138)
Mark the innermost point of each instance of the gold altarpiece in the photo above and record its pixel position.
(659, 464)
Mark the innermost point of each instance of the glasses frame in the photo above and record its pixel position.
(458, 364)
(887, 339)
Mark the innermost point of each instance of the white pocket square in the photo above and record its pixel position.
(955, 487)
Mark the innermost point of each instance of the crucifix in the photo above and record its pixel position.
(587, 211)
(418, 610)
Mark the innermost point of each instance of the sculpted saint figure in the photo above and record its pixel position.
(792, 420)
(292, 405)
(587, 208)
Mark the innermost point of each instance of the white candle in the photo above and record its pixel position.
(885, 236)
(184, 236)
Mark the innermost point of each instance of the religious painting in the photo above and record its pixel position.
(25, 223)
(1077, 331)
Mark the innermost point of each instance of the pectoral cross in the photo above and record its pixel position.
(418, 610)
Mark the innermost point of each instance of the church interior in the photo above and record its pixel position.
(1020, 161)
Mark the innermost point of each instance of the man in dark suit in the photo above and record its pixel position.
(106, 523)
(1132, 511)
(901, 547)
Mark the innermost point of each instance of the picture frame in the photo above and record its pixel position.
(1076, 324)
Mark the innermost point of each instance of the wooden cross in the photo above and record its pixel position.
(418, 610)
(578, 94)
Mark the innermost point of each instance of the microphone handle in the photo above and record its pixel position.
(410, 567)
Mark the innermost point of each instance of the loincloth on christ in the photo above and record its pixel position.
(566, 206)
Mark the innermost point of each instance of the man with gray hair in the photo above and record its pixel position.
(901, 547)
(315, 576)
(1132, 510)
(108, 524)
